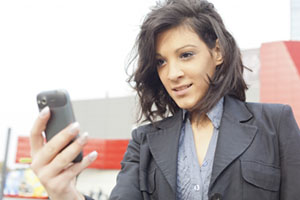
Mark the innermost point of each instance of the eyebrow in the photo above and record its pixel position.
(185, 46)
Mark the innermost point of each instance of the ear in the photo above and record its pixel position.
(217, 53)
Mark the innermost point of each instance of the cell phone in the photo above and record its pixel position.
(61, 110)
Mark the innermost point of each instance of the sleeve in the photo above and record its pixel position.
(289, 144)
(127, 187)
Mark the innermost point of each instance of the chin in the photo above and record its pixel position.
(187, 103)
(186, 106)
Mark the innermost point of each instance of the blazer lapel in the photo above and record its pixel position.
(235, 135)
(163, 145)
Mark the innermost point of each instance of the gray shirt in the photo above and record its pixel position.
(192, 179)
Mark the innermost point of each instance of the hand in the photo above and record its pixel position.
(53, 166)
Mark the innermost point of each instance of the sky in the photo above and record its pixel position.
(84, 46)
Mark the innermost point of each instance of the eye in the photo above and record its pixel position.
(160, 62)
(186, 55)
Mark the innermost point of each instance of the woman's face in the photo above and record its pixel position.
(183, 63)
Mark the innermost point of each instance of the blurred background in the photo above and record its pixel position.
(84, 47)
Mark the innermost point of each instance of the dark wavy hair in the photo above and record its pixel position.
(202, 17)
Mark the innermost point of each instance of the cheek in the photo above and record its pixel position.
(207, 69)
(200, 77)
(162, 76)
(211, 70)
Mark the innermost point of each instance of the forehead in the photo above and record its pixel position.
(177, 37)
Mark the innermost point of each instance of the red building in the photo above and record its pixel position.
(280, 74)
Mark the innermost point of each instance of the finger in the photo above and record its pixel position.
(52, 148)
(64, 158)
(68, 175)
(77, 168)
(36, 137)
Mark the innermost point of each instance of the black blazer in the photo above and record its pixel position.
(257, 156)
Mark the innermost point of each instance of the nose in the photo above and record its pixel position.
(175, 72)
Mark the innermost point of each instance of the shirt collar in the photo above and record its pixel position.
(215, 114)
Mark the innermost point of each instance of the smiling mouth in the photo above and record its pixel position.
(182, 87)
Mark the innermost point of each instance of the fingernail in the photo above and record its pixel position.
(92, 156)
(83, 138)
(74, 128)
(44, 112)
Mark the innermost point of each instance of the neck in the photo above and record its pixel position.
(199, 121)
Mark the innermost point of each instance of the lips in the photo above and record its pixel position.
(180, 88)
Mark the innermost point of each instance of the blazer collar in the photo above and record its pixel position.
(236, 109)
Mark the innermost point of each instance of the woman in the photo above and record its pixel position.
(209, 143)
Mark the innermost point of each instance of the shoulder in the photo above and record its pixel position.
(269, 118)
(244, 111)
(270, 113)
(267, 109)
